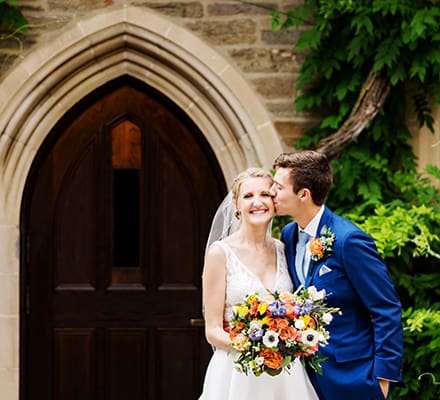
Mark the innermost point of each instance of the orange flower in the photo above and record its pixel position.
(282, 323)
(254, 308)
(272, 359)
(288, 333)
(316, 248)
(238, 327)
(277, 323)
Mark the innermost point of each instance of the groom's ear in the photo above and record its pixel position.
(304, 193)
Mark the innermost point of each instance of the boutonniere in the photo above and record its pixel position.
(322, 246)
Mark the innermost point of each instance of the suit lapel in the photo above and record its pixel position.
(292, 261)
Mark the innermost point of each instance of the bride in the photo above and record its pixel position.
(246, 261)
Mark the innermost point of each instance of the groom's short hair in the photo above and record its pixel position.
(308, 170)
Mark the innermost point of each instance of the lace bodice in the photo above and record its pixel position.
(241, 281)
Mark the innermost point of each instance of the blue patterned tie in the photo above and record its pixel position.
(300, 255)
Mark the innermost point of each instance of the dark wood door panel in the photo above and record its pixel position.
(178, 373)
(109, 318)
(127, 366)
(75, 364)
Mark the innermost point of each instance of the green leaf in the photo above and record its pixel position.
(300, 15)
(397, 74)
(11, 18)
(309, 38)
(433, 170)
(387, 53)
(275, 16)
(362, 22)
(418, 69)
(331, 122)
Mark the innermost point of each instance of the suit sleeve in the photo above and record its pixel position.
(369, 276)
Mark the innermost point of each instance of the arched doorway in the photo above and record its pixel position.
(115, 214)
(84, 56)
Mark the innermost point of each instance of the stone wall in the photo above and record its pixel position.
(240, 31)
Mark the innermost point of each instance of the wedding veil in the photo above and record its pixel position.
(224, 222)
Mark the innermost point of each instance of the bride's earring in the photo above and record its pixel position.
(237, 214)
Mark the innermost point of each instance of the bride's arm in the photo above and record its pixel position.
(214, 290)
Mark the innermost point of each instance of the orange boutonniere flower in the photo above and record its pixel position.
(322, 246)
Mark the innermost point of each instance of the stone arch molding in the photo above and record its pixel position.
(138, 42)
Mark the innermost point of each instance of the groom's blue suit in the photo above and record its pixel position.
(366, 340)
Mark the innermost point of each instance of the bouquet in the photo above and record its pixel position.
(269, 332)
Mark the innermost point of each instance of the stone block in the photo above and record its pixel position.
(280, 37)
(80, 5)
(9, 332)
(284, 109)
(262, 60)
(275, 87)
(178, 9)
(226, 32)
(290, 132)
(240, 8)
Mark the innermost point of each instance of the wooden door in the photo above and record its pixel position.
(115, 216)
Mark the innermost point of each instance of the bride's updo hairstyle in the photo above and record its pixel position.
(249, 173)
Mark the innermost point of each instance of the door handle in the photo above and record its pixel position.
(197, 322)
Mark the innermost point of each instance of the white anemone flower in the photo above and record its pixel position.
(309, 337)
(270, 339)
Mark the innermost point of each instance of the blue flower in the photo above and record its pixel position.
(255, 333)
(277, 309)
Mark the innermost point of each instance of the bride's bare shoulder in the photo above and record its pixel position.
(215, 250)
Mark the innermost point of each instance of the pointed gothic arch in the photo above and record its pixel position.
(93, 51)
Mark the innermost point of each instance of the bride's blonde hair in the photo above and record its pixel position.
(248, 173)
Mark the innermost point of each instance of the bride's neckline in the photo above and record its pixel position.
(252, 272)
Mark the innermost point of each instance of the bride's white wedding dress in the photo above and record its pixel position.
(222, 380)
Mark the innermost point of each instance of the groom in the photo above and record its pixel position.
(365, 347)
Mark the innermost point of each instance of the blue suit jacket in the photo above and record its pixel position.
(366, 341)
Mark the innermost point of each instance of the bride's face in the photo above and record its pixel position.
(254, 201)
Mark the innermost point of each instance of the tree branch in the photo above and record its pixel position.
(371, 98)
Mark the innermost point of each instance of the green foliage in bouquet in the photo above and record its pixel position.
(376, 179)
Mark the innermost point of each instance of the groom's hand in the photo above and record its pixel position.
(384, 386)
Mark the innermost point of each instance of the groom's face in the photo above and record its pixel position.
(286, 201)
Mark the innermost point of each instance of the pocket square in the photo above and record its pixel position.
(324, 270)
